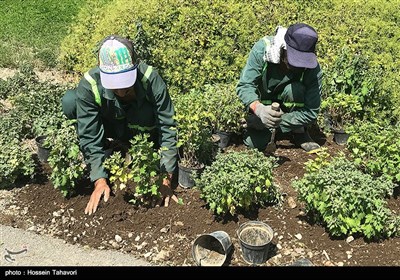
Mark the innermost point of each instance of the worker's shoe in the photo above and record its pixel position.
(303, 140)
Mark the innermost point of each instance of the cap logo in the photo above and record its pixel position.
(115, 57)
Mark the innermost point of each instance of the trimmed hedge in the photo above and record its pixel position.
(204, 41)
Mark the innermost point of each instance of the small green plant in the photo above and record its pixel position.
(194, 130)
(138, 171)
(65, 159)
(341, 110)
(237, 181)
(224, 106)
(15, 160)
(346, 200)
(376, 146)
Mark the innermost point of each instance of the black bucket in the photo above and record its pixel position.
(43, 153)
(211, 249)
(255, 238)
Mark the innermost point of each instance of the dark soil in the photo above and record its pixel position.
(164, 236)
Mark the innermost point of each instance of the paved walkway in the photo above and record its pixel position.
(23, 248)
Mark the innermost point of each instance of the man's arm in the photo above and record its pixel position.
(90, 131)
(165, 122)
(251, 75)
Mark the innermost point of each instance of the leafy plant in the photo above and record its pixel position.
(194, 130)
(65, 158)
(224, 106)
(351, 90)
(376, 147)
(139, 171)
(341, 110)
(15, 160)
(36, 104)
(237, 181)
(346, 200)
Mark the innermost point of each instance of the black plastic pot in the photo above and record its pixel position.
(224, 139)
(212, 249)
(255, 238)
(185, 176)
(340, 137)
(43, 153)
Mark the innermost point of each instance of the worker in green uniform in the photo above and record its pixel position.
(282, 68)
(116, 100)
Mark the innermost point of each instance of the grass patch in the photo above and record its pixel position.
(32, 30)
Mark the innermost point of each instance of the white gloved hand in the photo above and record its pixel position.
(268, 116)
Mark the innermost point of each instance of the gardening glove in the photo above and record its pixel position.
(100, 187)
(252, 121)
(268, 116)
(166, 191)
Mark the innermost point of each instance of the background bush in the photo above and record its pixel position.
(194, 42)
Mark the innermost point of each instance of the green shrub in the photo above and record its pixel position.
(192, 43)
(15, 160)
(351, 89)
(65, 159)
(194, 130)
(376, 146)
(224, 106)
(139, 171)
(346, 200)
(236, 181)
(79, 39)
(36, 104)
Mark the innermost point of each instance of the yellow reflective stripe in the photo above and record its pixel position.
(266, 102)
(287, 104)
(293, 104)
(141, 128)
(95, 90)
(146, 76)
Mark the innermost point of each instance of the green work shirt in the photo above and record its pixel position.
(252, 86)
(152, 109)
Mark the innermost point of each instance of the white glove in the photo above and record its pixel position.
(268, 116)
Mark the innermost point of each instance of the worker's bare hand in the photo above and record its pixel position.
(166, 192)
(100, 188)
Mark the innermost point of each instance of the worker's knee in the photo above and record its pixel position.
(69, 104)
(257, 139)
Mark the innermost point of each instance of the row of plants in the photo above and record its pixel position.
(37, 105)
(33, 108)
(231, 181)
